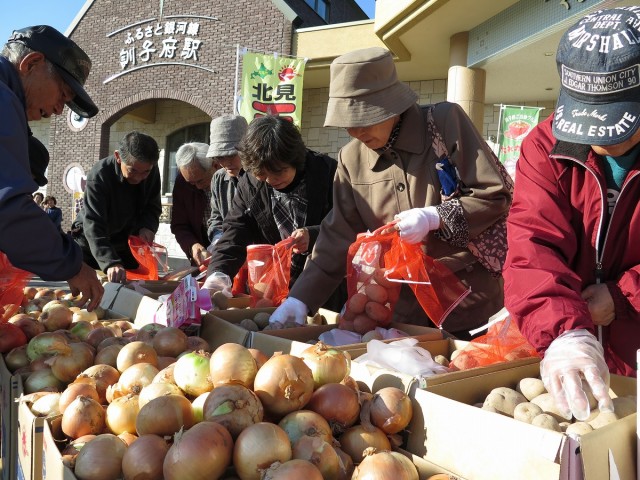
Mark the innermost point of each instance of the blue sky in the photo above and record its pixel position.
(60, 13)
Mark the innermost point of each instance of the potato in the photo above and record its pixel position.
(530, 387)
(378, 313)
(604, 418)
(526, 412)
(357, 302)
(220, 300)
(548, 405)
(262, 319)
(625, 406)
(547, 421)
(249, 324)
(264, 303)
(489, 408)
(578, 428)
(504, 400)
(380, 279)
(376, 293)
(363, 324)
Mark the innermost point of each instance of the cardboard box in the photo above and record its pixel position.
(130, 304)
(153, 288)
(52, 437)
(448, 430)
(10, 388)
(425, 468)
(29, 442)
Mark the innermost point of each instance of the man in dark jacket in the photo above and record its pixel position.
(122, 198)
(40, 71)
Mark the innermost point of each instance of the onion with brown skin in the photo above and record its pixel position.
(136, 377)
(107, 342)
(258, 356)
(83, 416)
(383, 465)
(43, 380)
(165, 416)
(144, 458)
(128, 438)
(321, 454)
(108, 355)
(170, 342)
(232, 363)
(56, 317)
(136, 352)
(47, 344)
(391, 410)
(197, 344)
(155, 390)
(148, 331)
(292, 470)
(305, 423)
(16, 358)
(233, 406)
(204, 451)
(327, 364)
(355, 440)
(283, 384)
(338, 404)
(29, 325)
(101, 458)
(121, 415)
(68, 367)
(164, 362)
(165, 375)
(101, 376)
(98, 334)
(81, 329)
(257, 447)
(73, 391)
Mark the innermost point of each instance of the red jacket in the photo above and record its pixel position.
(562, 238)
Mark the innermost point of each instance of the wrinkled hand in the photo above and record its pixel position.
(218, 282)
(573, 361)
(291, 310)
(199, 254)
(416, 223)
(301, 240)
(147, 235)
(600, 303)
(116, 273)
(86, 284)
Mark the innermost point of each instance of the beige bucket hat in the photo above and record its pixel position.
(364, 89)
(225, 135)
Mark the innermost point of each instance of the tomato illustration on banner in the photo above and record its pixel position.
(515, 124)
(271, 85)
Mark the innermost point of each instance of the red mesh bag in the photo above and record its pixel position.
(149, 257)
(377, 264)
(269, 273)
(502, 342)
(12, 283)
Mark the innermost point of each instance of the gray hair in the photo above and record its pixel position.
(15, 51)
(189, 153)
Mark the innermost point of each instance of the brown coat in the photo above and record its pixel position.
(369, 189)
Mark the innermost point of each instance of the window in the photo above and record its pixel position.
(192, 133)
(321, 7)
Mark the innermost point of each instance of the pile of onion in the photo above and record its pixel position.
(384, 465)
(391, 410)
(257, 447)
(232, 363)
(327, 364)
(234, 406)
(101, 458)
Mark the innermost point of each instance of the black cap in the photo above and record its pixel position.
(38, 160)
(71, 62)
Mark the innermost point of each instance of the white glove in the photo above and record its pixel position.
(572, 360)
(219, 282)
(414, 224)
(291, 309)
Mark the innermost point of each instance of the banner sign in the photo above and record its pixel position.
(516, 122)
(271, 85)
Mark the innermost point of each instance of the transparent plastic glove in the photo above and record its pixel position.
(291, 309)
(414, 224)
(212, 246)
(219, 282)
(573, 363)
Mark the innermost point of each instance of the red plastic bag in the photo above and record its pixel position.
(150, 257)
(269, 273)
(377, 264)
(502, 342)
(12, 283)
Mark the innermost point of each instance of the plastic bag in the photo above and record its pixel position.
(151, 257)
(401, 356)
(269, 273)
(12, 283)
(377, 264)
(502, 342)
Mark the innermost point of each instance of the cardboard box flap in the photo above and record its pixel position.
(129, 303)
(619, 438)
(110, 293)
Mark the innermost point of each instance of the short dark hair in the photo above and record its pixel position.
(49, 198)
(140, 146)
(272, 142)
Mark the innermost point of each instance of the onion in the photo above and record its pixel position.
(321, 454)
(391, 410)
(121, 415)
(292, 470)
(165, 375)
(56, 317)
(191, 373)
(108, 355)
(197, 344)
(128, 438)
(16, 358)
(233, 406)
(204, 451)
(164, 362)
(327, 364)
(47, 405)
(165, 416)
(75, 390)
(144, 458)
(257, 447)
(170, 342)
(232, 363)
(305, 423)
(113, 327)
(84, 315)
(30, 292)
(83, 416)
(258, 356)
(198, 406)
(385, 465)
(136, 377)
(346, 464)
(47, 344)
(42, 380)
(68, 367)
(81, 329)
(97, 335)
(101, 376)
(29, 325)
(355, 440)
(155, 390)
(11, 336)
(338, 404)
(107, 342)
(101, 459)
(74, 447)
(283, 384)
(136, 352)
(148, 331)
(123, 324)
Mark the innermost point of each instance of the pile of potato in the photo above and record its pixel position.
(260, 321)
(531, 403)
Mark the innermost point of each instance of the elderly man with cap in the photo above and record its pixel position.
(192, 200)
(226, 133)
(388, 172)
(41, 70)
(572, 275)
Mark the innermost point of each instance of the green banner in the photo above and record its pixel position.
(271, 85)
(516, 122)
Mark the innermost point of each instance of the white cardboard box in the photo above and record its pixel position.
(131, 304)
(448, 430)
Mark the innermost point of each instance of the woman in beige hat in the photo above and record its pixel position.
(388, 172)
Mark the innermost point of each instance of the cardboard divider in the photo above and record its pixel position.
(128, 303)
(52, 466)
(10, 388)
(29, 438)
(448, 430)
